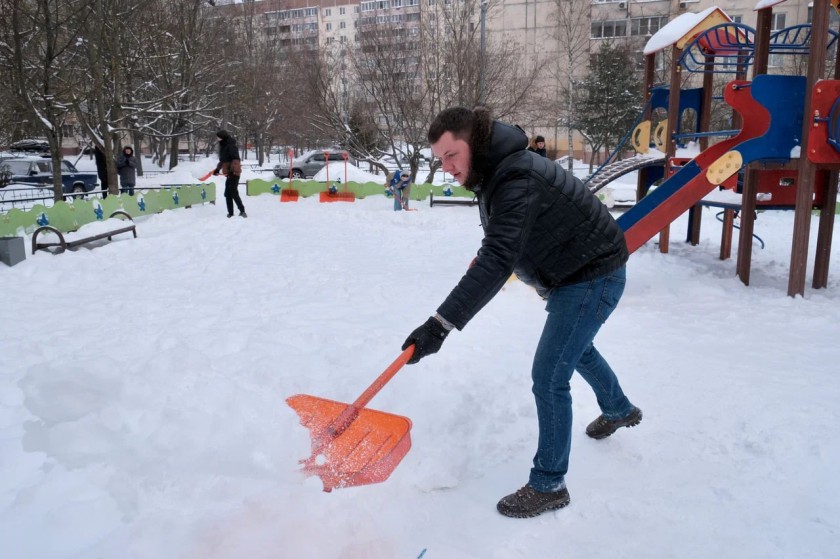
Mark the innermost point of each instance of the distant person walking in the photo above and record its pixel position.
(539, 146)
(127, 169)
(101, 169)
(231, 166)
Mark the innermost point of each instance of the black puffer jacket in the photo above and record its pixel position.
(539, 221)
(229, 161)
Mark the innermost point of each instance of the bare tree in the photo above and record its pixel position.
(263, 89)
(37, 53)
(402, 72)
(572, 36)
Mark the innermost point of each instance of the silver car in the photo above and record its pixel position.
(308, 164)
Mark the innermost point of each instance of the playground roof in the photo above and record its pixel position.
(684, 28)
(762, 4)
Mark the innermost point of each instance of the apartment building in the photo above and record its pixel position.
(541, 29)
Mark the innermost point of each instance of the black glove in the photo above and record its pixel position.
(427, 339)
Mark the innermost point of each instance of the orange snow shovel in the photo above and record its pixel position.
(352, 445)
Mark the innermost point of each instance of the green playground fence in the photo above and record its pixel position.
(70, 215)
(306, 188)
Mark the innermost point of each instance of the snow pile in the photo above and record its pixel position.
(142, 388)
(336, 172)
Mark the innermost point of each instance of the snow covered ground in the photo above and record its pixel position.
(142, 388)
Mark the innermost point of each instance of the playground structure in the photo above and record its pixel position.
(783, 151)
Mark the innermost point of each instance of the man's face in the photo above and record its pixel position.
(455, 155)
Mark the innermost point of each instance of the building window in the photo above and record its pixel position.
(329, 27)
(737, 19)
(609, 28)
(777, 23)
(327, 12)
(396, 3)
(341, 11)
(343, 24)
(646, 26)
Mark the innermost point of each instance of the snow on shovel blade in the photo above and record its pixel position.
(366, 452)
(352, 445)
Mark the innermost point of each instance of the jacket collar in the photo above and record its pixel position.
(488, 151)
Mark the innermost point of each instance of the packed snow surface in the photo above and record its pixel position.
(143, 385)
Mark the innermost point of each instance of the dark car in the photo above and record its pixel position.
(38, 171)
(31, 146)
(308, 164)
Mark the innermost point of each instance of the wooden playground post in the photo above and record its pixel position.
(695, 214)
(807, 169)
(828, 209)
(673, 124)
(650, 66)
(750, 189)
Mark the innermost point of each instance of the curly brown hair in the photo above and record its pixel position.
(472, 126)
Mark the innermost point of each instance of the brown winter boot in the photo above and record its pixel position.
(603, 427)
(528, 502)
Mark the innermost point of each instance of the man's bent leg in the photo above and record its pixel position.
(569, 330)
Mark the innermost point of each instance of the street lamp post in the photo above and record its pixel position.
(482, 48)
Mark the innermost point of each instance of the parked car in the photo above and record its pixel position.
(38, 171)
(308, 164)
(31, 146)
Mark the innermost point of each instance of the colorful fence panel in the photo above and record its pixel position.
(70, 215)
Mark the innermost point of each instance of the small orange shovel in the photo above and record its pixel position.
(352, 445)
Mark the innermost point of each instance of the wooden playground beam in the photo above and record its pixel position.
(750, 189)
(807, 169)
(695, 214)
(673, 124)
(827, 212)
(650, 67)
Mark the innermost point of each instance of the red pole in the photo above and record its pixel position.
(346, 156)
(327, 160)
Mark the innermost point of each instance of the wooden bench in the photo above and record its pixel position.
(65, 244)
(451, 201)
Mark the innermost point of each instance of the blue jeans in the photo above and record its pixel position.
(575, 314)
(399, 200)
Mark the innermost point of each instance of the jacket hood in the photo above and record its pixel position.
(128, 150)
(492, 141)
(223, 134)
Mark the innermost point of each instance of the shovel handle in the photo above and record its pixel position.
(343, 421)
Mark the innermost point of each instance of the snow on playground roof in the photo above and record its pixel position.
(354, 174)
(685, 25)
(766, 4)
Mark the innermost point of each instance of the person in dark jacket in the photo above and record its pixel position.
(543, 224)
(101, 169)
(127, 169)
(231, 166)
(539, 146)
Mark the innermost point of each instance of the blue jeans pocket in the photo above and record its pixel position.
(613, 287)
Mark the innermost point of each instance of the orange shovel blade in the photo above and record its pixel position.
(366, 452)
